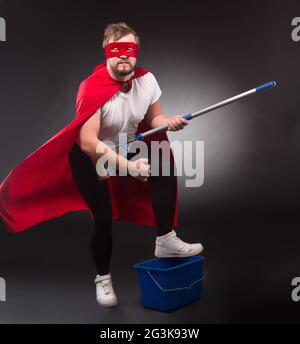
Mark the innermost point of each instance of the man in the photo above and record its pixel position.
(60, 176)
(137, 99)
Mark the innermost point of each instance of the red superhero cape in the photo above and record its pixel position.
(42, 187)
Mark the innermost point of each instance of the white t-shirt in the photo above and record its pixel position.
(124, 111)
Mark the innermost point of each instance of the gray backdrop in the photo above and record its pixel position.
(245, 213)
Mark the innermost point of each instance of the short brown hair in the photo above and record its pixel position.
(117, 31)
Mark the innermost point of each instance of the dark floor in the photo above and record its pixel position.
(249, 266)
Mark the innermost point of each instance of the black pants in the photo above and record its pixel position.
(96, 194)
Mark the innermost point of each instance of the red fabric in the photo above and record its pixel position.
(42, 187)
(122, 46)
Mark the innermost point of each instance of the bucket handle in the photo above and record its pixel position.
(161, 288)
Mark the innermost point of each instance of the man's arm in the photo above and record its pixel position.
(88, 141)
(156, 118)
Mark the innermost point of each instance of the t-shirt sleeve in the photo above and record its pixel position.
(156, 91)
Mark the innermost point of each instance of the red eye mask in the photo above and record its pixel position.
(121, 48)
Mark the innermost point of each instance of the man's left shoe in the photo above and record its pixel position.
(169, 245)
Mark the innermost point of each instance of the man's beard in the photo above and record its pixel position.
(123, 72)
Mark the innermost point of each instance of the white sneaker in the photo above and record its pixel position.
(169, 245)
(104, 291)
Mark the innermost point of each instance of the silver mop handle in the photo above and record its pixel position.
(190, 116)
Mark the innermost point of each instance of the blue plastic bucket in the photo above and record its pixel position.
(169, 283)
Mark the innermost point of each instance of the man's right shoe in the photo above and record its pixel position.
(104, 291)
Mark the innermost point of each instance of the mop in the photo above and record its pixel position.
(125, 144)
